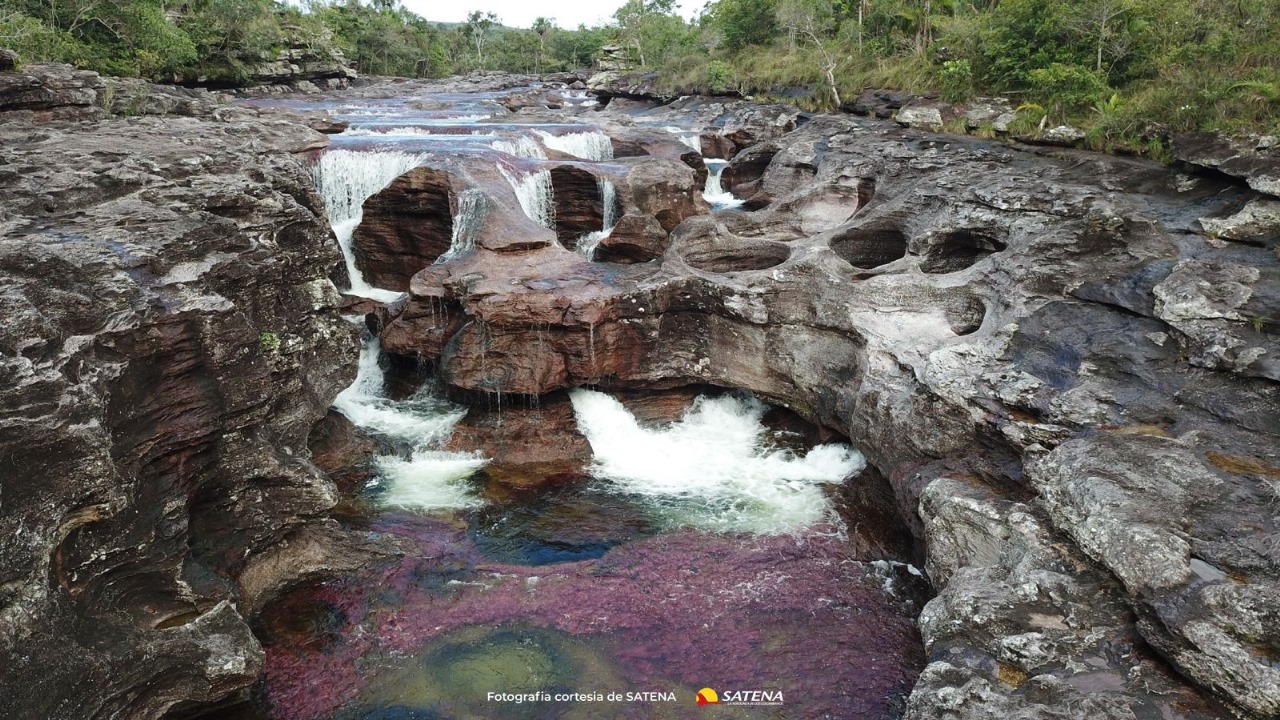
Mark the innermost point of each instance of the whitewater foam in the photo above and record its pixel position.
(430, 479)
(713, 192)
(715, 469)
(588, 145)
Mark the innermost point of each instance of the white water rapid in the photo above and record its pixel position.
(589, 145)
(714, 469)
(533, 189)
(713, 193)
(430, 478)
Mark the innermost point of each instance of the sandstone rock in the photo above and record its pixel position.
(959, 311)
(8, 60)
(171, 339)
(406, 227)
(49, 91)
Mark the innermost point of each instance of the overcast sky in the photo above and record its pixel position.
(520, 13)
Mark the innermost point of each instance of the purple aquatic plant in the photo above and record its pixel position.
(685, 609)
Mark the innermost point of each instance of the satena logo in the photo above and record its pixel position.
(707, 696)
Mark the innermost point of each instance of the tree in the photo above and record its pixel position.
(810, 20)
(477, 30)
(543, 27)
(744, 22)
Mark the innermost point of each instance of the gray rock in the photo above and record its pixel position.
(1258, 220)
(987, 111)
(920, 117)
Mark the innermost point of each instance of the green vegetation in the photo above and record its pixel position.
(1126, 71)
(220, 41)
(269, 342)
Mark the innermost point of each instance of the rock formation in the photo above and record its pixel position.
(1062, 364)
(170, 339)
(1071, 390)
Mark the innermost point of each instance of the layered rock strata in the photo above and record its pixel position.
(170, 339)
(1069, 386)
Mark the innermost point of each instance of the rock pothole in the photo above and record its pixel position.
(870, 247)
(955, 250)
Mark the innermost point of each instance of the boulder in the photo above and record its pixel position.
(406, 227)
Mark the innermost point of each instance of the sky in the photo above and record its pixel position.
(520, 13)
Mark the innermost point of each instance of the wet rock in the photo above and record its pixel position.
(405, 227)
(654, 197)
(579, 202)
(960, 310)
(1152, 512)
(1258, 220)
(171, 340)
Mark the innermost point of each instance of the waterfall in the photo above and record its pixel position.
(535, 194)
(429, 478)
(691, 140)
(345, 179)
(466, 223)
(608, 202)
(713, 193)
(714, 469)
(533, 190)
(589, 145)
(522, 146)
(588, 243)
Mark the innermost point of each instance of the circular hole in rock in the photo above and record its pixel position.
(965, 314)
(870, 247)
(959, 249)
(737, 258)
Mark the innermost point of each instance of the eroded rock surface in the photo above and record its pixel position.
(1070, 389)
(170, 339)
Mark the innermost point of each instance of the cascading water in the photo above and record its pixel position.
(588, 243)
(535, 194)
(590, 145)
(712, 192)
(689, 139)
(428, 478)
(345, 179)
(522, 146)
(713, 469)
(533, 190)
(466, 223)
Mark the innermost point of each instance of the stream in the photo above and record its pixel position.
(713, 546)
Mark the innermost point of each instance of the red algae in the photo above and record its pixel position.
(681, 610)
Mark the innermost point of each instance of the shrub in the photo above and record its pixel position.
(956, 80)
(719, 76)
